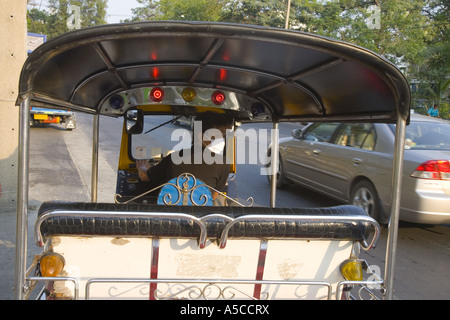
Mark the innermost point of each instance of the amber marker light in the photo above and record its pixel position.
(189, 94)
(51, 264)
(352, 270)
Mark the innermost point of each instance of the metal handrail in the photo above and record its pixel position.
(184, 190)
(113, 214)
(366, 246)
(201, 222)
(76, 288)
(208, 282)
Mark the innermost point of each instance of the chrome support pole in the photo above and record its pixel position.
(22, 199)
(274, 164)
(95, 147)
(397, 174)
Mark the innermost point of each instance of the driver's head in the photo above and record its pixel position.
(217, 124)
(210, 120)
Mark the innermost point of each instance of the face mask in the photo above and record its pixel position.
(217, 146)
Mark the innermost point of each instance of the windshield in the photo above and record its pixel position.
(427, 135)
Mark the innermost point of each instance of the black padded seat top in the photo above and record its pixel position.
(344, 222)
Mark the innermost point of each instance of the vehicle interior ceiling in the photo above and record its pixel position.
(308, 77)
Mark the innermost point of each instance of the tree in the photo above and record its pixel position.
(37, 21)
(191, 10)
(259, 12)
(149, 11)
(179, 10)
(63, 13)
(433, 73)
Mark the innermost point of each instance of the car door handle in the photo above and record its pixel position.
(357, 160)
(316, 152)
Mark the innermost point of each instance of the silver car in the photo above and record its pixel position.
(352, 162)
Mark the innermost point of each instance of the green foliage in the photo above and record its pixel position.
(260, 12)
(37, 21)
(55, 21)
(178, 10)
(191, 10)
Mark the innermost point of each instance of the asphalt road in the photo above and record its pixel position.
(60, 169)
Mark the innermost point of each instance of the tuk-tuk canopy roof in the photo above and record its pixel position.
(295, 75)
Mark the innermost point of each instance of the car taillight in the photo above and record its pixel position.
(433, 169)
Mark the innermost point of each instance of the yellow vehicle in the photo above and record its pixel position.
(147, 245)
(46, 116)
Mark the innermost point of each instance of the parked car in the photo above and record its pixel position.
(352, 162)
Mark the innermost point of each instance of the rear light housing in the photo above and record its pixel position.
(433, 169)
(189, 94)
(352, 270)
(218, 97)
(51, 264)
(116, 102)
(157, 94)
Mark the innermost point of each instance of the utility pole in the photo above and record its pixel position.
(288, 10)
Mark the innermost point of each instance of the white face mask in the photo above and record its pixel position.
(217, 146)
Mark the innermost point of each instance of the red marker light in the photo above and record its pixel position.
(218, 97)
(157, 94)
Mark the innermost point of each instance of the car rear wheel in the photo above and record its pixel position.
(281, 177)
(365, 196)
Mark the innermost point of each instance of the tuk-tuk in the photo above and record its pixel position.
(46, 116)
(148, 243)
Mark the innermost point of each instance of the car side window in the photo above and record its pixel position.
(320, 132)
(357, 135)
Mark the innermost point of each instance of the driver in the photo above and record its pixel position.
(213, 174)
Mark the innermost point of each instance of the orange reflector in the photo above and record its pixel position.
(189, 94)
(51, 264)
(352, 270)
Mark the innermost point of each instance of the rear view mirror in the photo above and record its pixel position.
(134, 121)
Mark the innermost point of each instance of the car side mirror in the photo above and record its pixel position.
(134, 121)
(297, 133)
